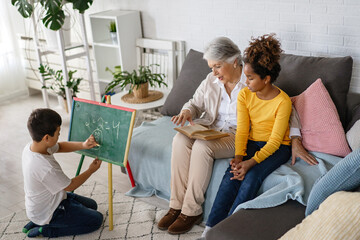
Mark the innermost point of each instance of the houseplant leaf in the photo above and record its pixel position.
(54, 15)
(144, 75)
(56, 78)
(51, 6)
(54, 20)
(81, 5)
(24, 7)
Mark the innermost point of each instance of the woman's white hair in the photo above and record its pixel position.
(224, 50)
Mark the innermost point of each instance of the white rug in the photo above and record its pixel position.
(132, 218)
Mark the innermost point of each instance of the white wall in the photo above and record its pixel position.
(305, 27)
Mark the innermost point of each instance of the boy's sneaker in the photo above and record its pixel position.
(34, 232)
(29, 226)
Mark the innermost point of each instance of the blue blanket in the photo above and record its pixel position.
(291, 182)
(150, 154)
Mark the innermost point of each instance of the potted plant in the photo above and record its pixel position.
(138, 81)
(54, 15)
(112, 29)
(57, 84)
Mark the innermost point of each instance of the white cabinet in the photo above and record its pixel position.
(110, 54)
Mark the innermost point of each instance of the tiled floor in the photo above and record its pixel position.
(13, 138)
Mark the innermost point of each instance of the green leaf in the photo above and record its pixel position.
(51, 6)
(81, 5)
(54, 20)
(57, 84)
(54, 17)
(24, 7)
(123, 78)
(112, 26)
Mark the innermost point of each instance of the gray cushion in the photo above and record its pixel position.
(299, 72)
(255, 224)
(357, 189)
(193, 72)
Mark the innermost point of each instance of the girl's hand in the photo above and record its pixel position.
(90, 142)
(182, 117)
(242, 168)
(235, 161)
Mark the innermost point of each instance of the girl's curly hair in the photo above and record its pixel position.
(263, 54)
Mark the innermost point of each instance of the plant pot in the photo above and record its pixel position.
(142, 91)
(63, 103)
(66, 106)
(113, 37)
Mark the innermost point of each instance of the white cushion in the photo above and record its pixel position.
(337, 218)
(353, 136)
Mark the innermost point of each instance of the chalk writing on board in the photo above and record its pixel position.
(102, 125)
(110, 125)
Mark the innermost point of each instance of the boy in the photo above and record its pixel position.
(51, 207)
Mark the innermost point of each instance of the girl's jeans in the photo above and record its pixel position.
(231, 193)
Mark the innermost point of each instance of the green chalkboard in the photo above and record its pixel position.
(111, 126)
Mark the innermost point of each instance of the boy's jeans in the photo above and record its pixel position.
(231, 193)
(74, 215)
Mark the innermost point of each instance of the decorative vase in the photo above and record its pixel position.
(113, 37)
(142, 91)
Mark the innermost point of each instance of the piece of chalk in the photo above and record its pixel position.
(97, 145)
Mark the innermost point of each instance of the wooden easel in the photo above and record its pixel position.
(106, 99)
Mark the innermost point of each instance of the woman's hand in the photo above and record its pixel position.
(242, 168)
(90, 142)
(182, 117)
(298, 150)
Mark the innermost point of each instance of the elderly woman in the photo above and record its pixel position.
(213, 105)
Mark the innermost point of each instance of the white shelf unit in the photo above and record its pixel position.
(109, 54)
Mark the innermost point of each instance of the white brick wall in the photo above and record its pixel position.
(305, 27)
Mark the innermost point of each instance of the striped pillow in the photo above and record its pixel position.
(321, 128)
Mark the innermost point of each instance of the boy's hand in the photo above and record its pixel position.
(80, 179)
(90, 142)
(95, 165)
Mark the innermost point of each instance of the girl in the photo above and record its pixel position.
(262, 141)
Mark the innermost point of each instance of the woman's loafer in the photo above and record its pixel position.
(184, 223)
(168, 219)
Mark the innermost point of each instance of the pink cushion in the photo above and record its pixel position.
(321, 128)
